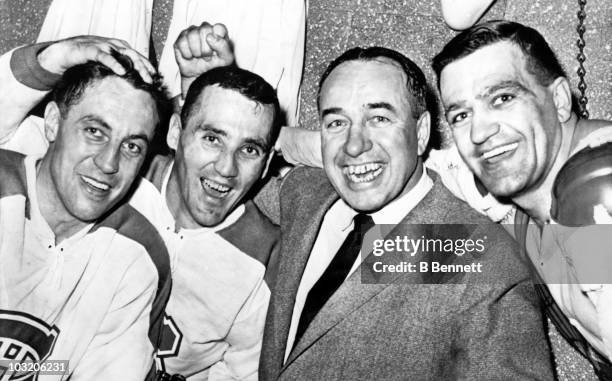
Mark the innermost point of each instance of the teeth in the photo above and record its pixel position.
(364, 172)
(218, 187)
(362, 168)
(499, 150)
(96, 184)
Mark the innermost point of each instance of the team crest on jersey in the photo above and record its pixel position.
(169, 343)
(24, 338)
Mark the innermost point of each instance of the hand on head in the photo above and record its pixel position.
(64, 54)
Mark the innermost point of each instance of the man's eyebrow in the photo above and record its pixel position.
(383, 105)
(261, 143)
(138, 136)
(453, 106)
(96, 119)
(504, 85)
(208, 127)
(331, 110)
(103, 124)
(256, 141)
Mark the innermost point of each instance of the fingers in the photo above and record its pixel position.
(191, 42)
(78, 50)
(220, 30)
(140, 63)
(203, 42)
(222, 48)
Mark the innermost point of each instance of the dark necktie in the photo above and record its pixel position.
(335, 273)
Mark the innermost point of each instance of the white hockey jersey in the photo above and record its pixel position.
(217, 308)
(95, 300)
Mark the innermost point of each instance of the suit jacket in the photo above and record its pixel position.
(463, 328)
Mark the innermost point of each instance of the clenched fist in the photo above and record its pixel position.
(201, 48)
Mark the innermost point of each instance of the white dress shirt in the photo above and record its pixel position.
(336, 226)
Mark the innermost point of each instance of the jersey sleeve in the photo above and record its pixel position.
(23, 84)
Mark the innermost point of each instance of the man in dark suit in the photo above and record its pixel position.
(324, 321)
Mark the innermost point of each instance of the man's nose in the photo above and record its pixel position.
(357, 141)
(484, 125)
(108, 159)
(225, 164)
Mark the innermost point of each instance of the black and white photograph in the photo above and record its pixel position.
(215, 190)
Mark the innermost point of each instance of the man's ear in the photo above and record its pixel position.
(174, 131)
(52, 121)
(423, 128)
(268, 161)
(562, 97)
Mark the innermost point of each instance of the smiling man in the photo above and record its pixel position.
(323, 322)
(509, 105)
(84, 278)
(219, 242)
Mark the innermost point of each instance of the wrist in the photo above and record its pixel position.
(185, 83)
(28, 70)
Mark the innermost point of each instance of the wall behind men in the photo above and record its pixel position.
(416, 28)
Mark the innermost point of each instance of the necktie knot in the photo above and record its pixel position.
(363, 223)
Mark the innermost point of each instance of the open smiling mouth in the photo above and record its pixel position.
(499, 152)
(94, 185)
(363, 173)
(214, 188)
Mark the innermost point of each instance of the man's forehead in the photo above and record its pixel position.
(380, 78)
(114, 102)
(215, 98)
(230, 111)
(499, 62)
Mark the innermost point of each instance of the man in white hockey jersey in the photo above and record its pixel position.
(219, 243)
(84, 277)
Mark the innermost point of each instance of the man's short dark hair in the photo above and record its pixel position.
(415, 79)
(73, 83)
(71, 87)
(247, 83)
(540, 59)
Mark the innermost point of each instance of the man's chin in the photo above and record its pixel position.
(210, 219)
(502, 189)
(88, 210)
(89, 215)
(364, 204)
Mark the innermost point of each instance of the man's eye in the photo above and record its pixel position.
(501, 99)
(211, 139)
(458, 118)
(380, 119)
(336, 124)
(93, 131)
(133, 148)
(251, 150)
